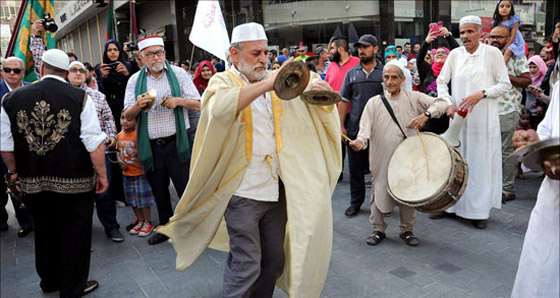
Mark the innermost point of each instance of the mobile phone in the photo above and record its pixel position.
(112, 65)
(434, 28)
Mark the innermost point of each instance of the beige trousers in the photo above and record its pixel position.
(407, 216)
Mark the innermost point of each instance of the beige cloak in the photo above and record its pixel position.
(309, 158)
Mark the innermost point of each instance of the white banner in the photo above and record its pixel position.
(209, 29)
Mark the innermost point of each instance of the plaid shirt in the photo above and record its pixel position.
(37, 48)
(161, 120)
(106, 120)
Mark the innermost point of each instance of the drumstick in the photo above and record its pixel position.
(425, 152)
(347, 138)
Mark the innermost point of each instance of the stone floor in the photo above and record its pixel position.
(453, 260)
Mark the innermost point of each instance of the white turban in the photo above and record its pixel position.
(148, 41)
(248, 32)
(76, 62)
(56, 58)
(396, 63)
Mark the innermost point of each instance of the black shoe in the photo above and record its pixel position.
(91, 285)
(479, 224)
(3, 226)
(116, 236)
(506, 197)
(375, 238)
(132, 225)
(157, 238)
(341, 177)
(352, 211)
(409, 238)
(438, 215)
(24, 232)
(48, 289)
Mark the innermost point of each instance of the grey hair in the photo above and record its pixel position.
(14, 58)
(401, 73)
(236, 45)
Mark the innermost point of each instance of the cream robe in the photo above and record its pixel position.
(308, 146)
(481, 141)
(538, 274)
(378, 129)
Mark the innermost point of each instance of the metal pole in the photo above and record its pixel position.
(192, 57)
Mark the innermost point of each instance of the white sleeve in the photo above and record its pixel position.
(501, 75)
(444, 78)
(408, 81)
(90, 131)
(6, 140)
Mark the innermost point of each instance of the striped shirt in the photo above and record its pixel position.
(161, 120)
(106, 120)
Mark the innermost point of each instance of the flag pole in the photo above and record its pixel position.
(192, 57)
(13, 37)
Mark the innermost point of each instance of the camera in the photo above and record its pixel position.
(49, 23)
(129, 47)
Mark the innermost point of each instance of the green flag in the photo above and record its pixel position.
(34, 10)
(110, 22)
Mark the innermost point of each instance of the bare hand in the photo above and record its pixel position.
(522, 138)
(552, 168)
(172, 102)
(123, 165)
(343, 132)
(418, 122)
(443, 32)
(431, 37)
(122, 69)
(451, 110)
(321, 85)
(101, 184)
(37, 28)
(105, 70)
(111, 142)
(357, 145)
(144, 100)
(470, 101)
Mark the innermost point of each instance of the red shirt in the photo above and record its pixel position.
(335, 73)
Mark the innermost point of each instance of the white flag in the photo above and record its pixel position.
(209, 29)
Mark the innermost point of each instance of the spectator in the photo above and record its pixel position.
(411, 66)
(91, 80)
(533, 102)
(204, 72)
(324, 62)
(186, 64)
(272, 54)
(302, 55)
(276, 66)
(71, 56)
(218, 64)
(286, 52)
(406, 51)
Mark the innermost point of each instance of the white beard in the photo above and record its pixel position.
(157, 67)
(249, 70)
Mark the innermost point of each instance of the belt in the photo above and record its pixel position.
(162, 141)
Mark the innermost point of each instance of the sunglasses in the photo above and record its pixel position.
(80, 70)
(15, 70)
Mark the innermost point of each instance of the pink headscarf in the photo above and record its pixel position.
(541, 65)
(436, 67)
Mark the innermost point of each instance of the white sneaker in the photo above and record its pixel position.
(137, 228)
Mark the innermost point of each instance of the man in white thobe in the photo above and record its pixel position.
(478, 76)
(539, 264)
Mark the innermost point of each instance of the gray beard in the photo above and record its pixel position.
(249, 71)
(157, 67)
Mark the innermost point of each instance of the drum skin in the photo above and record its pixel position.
(408, 181)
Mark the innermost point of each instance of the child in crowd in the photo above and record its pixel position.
(136, 187)
(504, 15)
(524, 124)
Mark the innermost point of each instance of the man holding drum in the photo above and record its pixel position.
(478, 76)
(380, 131)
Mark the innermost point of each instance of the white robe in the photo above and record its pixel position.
(539, 264)
(480, 137)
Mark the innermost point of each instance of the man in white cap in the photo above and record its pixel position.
(53, 147)
(163, 145)
(269, 167)
(382, 135)
(478, 76)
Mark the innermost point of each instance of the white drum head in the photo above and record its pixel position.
(408, 175)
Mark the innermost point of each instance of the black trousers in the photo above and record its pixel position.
(166, 165)
(358, 164)
(22, 214)
(63, 224)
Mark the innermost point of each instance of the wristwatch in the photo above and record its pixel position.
(484, 94)
(428, 114)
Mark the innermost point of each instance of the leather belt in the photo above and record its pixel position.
(162, 141)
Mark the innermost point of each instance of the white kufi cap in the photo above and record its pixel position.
(471, 20)
(76, 62)
(149, 41)
(56, 58)
(248, 32)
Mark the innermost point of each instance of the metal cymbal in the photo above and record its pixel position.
(532, 155)
(291, 80)
(320, 97)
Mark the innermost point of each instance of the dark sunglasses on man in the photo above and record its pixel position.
(15, 70)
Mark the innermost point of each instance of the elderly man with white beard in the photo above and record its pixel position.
(163, 145)
(269, 168)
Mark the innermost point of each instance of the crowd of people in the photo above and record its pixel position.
(124, 129)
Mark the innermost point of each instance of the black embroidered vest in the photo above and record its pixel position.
(45, 124)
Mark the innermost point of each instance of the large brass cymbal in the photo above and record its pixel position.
(291, 80)
(320, 97)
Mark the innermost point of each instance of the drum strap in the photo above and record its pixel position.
(390, 110)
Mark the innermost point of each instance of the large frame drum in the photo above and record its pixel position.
(408, 181)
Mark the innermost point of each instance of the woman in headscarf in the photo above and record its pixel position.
(416, 83)
(204, 72)
(429, 73)
(112, 76)
(538, 69)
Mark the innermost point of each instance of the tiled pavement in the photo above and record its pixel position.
(453, 260)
